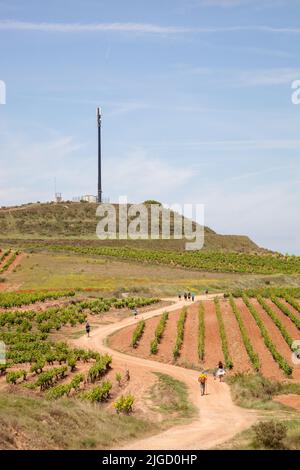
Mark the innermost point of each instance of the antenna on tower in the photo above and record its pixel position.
(57, 196)
(99, 195)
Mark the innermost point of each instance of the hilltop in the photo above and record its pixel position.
(78, 221)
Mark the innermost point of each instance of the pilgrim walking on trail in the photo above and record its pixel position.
(202, 379)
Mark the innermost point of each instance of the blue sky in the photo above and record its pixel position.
(196, 100)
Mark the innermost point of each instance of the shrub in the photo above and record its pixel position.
(124, 404)
(119, 378)
(201, 332)
(71, 361)
(154, 346)
(180, 333)
(99, 368)
(98, 393)
(13, 376)
(270, 434)
(158, 333)
(137, 334)
(64, 389)
(37, 367)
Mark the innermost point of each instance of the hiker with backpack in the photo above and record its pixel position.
(88, 329)
(202, 379)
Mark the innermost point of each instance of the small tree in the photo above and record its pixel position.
(119, 378)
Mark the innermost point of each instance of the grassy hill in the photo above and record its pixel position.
(78, 221)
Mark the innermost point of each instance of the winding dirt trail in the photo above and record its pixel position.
(218, 419)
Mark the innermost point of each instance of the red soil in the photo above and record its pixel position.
(290, 400)
(3, 262)
(290, 326)
(291, 308)
(269, 367)
(15, 263)
(165, 348)
(213, 348)
(241, 362)
(122, 339)
(277, 338)
(148, 335)
(189, 351)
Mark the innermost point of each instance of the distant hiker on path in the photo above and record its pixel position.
(135, 312)
(185, 296)
(206, 292)
(88, 329)
(202, 379)
(179, 296)
(189, 296)
(220, 372)
(193, 297)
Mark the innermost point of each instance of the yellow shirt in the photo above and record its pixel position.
(202, 378)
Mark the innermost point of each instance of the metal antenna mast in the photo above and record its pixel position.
(99, 196)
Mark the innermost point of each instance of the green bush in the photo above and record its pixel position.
(13, 376)
(119, 378)
(159, 333)
(180, 333)
(137, 334)
(201, 332)
(270, 434)
(154, 346)
(124, 404)
(98, 393)
(100, 368)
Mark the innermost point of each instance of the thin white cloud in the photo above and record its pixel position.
(242, 145)
(247, 77)
(91, 27)
(240, 3)
(268, 77)
(144, 28)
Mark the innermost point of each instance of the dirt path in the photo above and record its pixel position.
(218, 420)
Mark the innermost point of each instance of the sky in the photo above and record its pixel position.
(196, 104)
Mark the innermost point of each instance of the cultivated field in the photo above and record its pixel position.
(247, 334)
